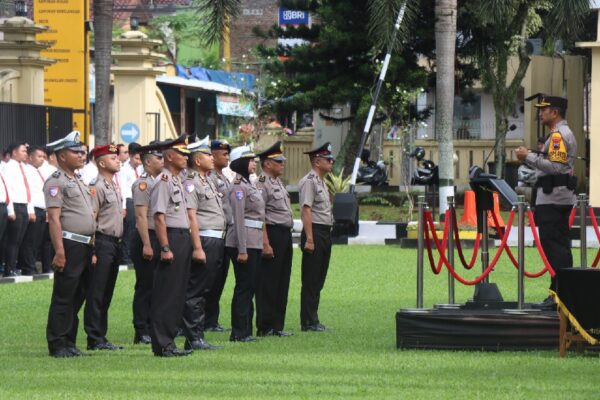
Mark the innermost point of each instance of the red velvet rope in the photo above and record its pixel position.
(595, 225)
(538, 244)
(571, 217)
(459, 247)
(438, 269)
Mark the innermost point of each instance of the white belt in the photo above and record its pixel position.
(77, 237)
(212, 233)
(250, 223)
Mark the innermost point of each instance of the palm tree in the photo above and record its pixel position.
(103, 24)
(217, 16)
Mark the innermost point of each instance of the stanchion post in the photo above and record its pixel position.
(485, 252)
(450, 255)
(420, 248)
(521, 204)
(582, 199)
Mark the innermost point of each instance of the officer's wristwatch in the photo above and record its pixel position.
(165, 249)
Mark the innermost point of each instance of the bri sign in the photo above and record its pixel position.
(293, 17)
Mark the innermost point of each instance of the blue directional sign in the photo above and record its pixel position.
(130, 132)
(293, 17)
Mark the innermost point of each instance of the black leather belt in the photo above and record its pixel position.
(102, 236)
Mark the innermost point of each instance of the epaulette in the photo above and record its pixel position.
(191, 175)
(164, 177)
(56, 174)
(93, 182)
(310, 176)
(78, 175)
(262, 178)
(237, 181)
(144, 175)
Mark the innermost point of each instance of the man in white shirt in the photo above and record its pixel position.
(4, 205)
(89, 171)
(19, 192)
(32, 242)
(129, 173)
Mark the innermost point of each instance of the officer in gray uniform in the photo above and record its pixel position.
(168, 208)
(143, 240)
(315, 240)
(244, 242)
(220, 150)
(276, 265)
(107, 248)
(72, 223)
(207, 222)
(555, 184)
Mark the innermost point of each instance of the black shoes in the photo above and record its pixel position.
(273, 332)
(200, 344)
(218, 328)
(547, 305)
(104, 346)
(67, 352)
(245, 339)
(314, 328)
(10, 274)
(174, 352)
(142, 339)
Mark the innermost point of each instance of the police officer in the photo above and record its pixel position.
(220, 151)
(315, 240)
(107, 248)
(244, 241)
(172, 227)
(72, 222)
(143, 242)
(555, 184)
(276, 263)
(207, 221)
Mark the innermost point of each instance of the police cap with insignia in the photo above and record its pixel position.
(100, 151)
(241, 152)
(154, 148)
(272, 153)
(543, 101)
(201, 146)
(219, 144)
(323, 151)
(179, 144)
(71, 142)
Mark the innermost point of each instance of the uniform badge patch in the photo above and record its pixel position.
(53, 191)
(142, 186)
(557, 151)
(239, 194)
(93, 192)
(189, 187)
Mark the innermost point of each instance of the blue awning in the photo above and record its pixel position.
(240, 80)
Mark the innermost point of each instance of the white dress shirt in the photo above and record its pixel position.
(3, 189)
(88, 172)
(17, 191)
(36, 186)
(126, 177)
(46, 169)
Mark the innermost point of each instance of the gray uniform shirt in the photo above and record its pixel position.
(246, 203)
(109, 204)
(544, 165)
(222, 185)
(203, 197)
(74, 198)
(141, 190)
(314, 194)
(167, 198)
(278, 209)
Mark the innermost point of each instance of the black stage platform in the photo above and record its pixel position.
(476, 329)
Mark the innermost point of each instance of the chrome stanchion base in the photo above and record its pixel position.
(447, 306)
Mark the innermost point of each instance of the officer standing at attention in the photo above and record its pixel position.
(555, 185)
(107, 248)
(72, 223)
(172, 226)
(207, 222)
(315, 240)
(220, 151)
(276, 264)
(143, 242)
(244, 242)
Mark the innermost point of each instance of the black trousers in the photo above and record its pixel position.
(3, 223)
(202, 277)
(128, 229)
(274, 280)
(168, 291)
(101, 286)
(214, 295)
(31, 243)
(68, 294)
(46, 249)
(553, 223)
(15, 231)
(314, 272)
(242, 308)
(144, 279)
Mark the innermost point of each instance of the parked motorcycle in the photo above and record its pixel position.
(427, 172)
(372, 173)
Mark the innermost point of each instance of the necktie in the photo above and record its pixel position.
(5, 189)
(136, 173)
(117, 182)
(40, 174)
(26, 183)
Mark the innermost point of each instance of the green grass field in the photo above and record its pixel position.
(358, 359)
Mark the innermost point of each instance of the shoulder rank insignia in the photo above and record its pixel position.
(191, 175)
(56, 174)
(93, 181)
(142, 186)
(262, 178)
(144, 175)
(164, 177)
(237, 181)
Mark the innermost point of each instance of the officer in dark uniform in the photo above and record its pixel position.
(207, 222)
(555, 184)
(315, 240)
(143, 241)
(168, 208)
(72, 222)
(220, 150)
(244, 242)
(276, 265)
(107, 248)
